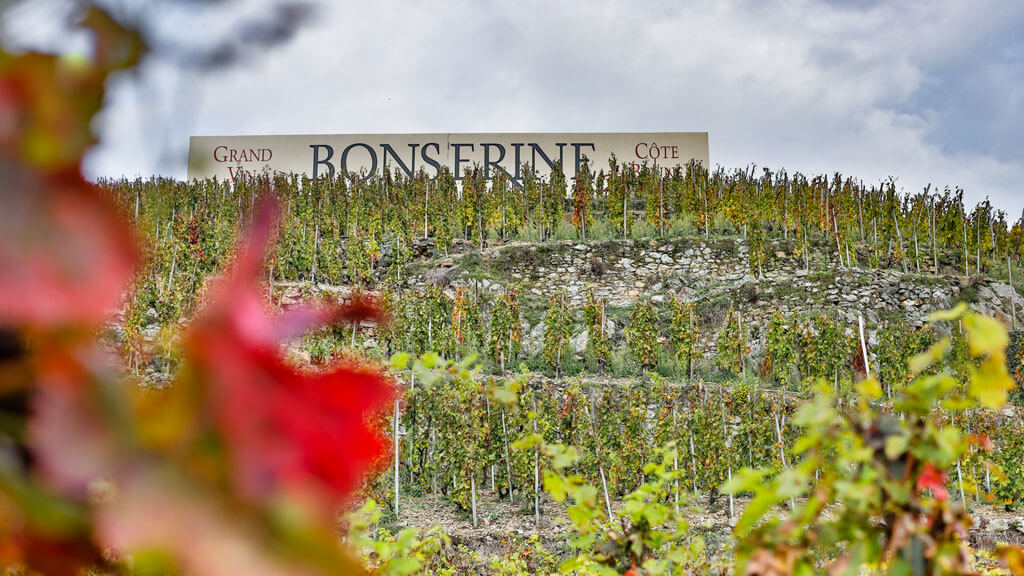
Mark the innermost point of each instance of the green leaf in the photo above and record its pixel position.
(870, 388)
(900, 567)
(990, 382)
(758, 507)
(746, 480)
(580, 515)
(400, 361)
(934, 353)
(431, 360)
(506, 394)
(803, 569)
(805, 443)
(527, 442)
(655, 514)
(985, 335)
(469, 361)
(406, 538)
(583, 493)
(817, 412)
(555, 485)
(573, 563)
(602, 570)
(857, 559)
(895, 446)
(697, 546)
(791, 482)
(950, 444)
(401, 566)
(948, 315)
(561, 456)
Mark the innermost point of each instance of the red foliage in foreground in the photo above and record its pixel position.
(92, 468)
(283, 425)
(931, 478)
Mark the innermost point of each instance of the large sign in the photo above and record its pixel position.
(232, 157)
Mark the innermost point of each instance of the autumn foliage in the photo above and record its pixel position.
(237, 467)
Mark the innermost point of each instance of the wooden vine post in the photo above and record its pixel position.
(935, 254)
(707, 222)
(625, 217)
(807, 256)
(600, 463)
(508, 460)
(487, 404)
(536, 470)
(977, 242)
(899, 240)
(689, 357)
(728, 450)
(782, 449)
(1013, 292)
(413, 429)
(839, 248)
(864, 346)
(967, 264)
(675, 457)
(472, 494)
(743, 345)
(397, 477)
(693, 462)
(917, 255)
(433, 468)
(960, 483)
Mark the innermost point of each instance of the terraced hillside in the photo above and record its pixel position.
(706, 336)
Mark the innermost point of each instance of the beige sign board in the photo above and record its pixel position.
(231, 157)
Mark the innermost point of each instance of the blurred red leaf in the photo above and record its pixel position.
(65, 257)
(284, 426)
(72, 443)
(46, 105)
(49, 555)
(931, 478)
(153, 511)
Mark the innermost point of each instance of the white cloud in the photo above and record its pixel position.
(807, 85)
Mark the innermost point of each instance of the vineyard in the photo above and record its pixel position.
(354, 229)
(456, 433)
(616, 316)
(382, 234)
(644, 371)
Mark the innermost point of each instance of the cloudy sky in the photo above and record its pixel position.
(927, 92)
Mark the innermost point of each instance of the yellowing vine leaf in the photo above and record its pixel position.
(948, 315)
(991, 383)
(924, 360)
(985, 335)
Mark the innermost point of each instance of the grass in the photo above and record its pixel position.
(668, 367)
(600, 230)
(564, 232)
(621, 365)
(643, 229)
(968, 294)
(571, 366)
(712, 313)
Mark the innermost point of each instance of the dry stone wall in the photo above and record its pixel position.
(712, 273)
